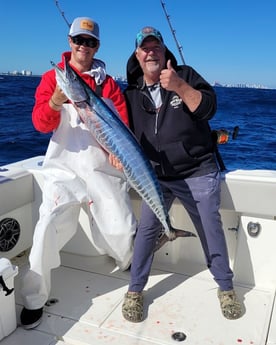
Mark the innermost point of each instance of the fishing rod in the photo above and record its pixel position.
(220, 136)
(179, 47)
(62, 13)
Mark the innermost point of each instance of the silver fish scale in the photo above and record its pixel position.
(137, 171)
(116, 138)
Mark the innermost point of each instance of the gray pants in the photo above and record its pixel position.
(201, 198)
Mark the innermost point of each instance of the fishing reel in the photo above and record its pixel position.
(221, 136)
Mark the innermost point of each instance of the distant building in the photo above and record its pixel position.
(16, 73)
(240, 85)
(28, 73)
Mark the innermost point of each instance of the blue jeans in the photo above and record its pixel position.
(201, 198)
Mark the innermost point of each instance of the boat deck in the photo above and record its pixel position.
(86, 300)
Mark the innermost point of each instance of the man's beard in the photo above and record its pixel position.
(153, 66)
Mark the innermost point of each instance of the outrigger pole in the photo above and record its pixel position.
(179, 47)
(62, 13)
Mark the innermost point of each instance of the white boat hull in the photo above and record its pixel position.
(181, 293)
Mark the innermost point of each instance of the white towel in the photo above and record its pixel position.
(97, 71)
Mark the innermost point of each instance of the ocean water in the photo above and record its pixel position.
(253, 111)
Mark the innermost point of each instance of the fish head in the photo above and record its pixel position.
(69, 83)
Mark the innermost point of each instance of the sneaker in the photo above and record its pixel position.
(132, 308)
(230, 305)
(31, 318)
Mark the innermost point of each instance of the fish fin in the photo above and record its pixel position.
(163, 238)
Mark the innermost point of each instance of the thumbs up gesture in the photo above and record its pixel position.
(169, 65)
(169, 79)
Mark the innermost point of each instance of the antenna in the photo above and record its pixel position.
(62, 13)
(179, 47)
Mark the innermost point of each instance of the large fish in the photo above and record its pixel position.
(116, 138)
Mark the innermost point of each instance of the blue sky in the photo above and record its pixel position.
(228, 41)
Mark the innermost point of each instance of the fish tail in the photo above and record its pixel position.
(172, 235)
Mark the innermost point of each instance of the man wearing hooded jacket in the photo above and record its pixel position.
(169, 107)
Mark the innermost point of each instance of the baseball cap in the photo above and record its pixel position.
(146, 32)
(84, 26)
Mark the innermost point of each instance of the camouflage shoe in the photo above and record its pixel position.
(132, 308)
(230, 305)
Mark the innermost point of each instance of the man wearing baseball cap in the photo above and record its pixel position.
(169, 107)
(78, 173)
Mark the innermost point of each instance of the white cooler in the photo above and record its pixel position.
(7, 301)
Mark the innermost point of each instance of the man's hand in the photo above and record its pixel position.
(58, 97)
(169, 79)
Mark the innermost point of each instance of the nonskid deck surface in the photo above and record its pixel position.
(85, 308)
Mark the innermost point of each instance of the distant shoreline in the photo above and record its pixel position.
(19, 75)
(217, 85)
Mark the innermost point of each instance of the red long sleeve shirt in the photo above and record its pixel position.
(45, 119)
